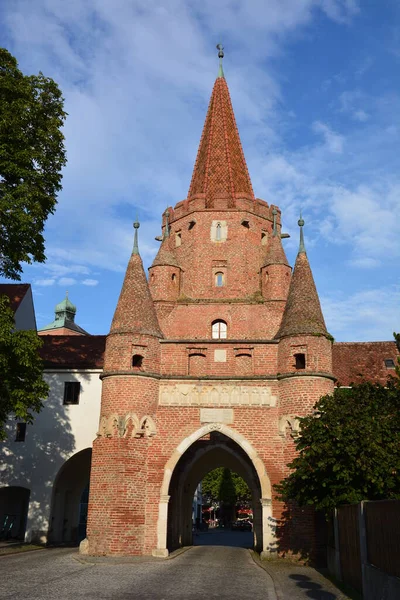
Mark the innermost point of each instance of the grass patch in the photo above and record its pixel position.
(17, 548)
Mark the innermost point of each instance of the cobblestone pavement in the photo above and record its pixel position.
(206, 571)
(209, 573)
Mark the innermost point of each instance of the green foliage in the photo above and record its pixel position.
(32, 155)
(223, 485)
(349, 449)
(21, 383)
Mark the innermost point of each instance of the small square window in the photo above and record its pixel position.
(300, 361)
(21, 432)
(389, 363)
(72, 390)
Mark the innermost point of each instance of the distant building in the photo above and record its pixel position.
(64, 321)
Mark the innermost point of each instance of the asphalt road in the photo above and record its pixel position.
(202, 572)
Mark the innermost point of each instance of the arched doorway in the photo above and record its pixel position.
(70, 498)
(14, 503)
(211, 446)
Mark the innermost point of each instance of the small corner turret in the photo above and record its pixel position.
(276, 271)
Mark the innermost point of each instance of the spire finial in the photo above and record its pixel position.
(166, 230)
(300, 223)
(274, 230)
(136, 225)
(220, 49)
(66, 294)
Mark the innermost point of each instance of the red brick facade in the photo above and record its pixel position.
(208, 363)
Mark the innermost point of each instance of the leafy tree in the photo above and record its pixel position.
(349, 449)
(220, 488)
(21, 381)
(32, 155)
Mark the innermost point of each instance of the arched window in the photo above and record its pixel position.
(219, 279)
(218, 232)
(219, 330)
(173, 277)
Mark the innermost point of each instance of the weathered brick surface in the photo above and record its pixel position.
(169, 323)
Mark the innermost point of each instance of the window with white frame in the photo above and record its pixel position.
(219, 330)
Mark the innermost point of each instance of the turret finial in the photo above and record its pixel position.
(136, 225)
(220, 49)
(274, 230)
(300, 223)
(167, 229)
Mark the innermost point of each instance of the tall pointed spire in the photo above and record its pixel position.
(303, 314)
(135, 312)
(220, 170)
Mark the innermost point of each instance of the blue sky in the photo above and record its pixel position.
(315, 87)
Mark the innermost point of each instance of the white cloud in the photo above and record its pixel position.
(361, 115)
(334, 141)
(371, 314)
(365, 262)
(90, 282)
(44, 282)
(67, 281)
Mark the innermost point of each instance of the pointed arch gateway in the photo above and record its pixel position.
(190, 461)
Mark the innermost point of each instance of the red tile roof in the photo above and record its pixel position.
(73, 351)
(15, 292)
(303, 314)
(355, 361)
(220, 170)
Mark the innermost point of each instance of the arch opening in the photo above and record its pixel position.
(14, 504)
(212, 450)
(70, 500)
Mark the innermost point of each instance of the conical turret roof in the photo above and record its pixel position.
(275, 252)
(135, 312)
(303, 314)
(220, 170)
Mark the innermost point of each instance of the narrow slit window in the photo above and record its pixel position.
(300, 361)
(219, 279)
(218, 232)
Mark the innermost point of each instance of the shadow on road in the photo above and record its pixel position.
(221, 537)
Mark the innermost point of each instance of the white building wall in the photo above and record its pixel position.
(59, 431)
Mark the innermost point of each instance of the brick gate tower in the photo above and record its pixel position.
(208, 362)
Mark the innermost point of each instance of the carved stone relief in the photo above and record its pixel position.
(289, 421)
(126, 426)
(182, 394)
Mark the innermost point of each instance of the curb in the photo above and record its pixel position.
(126, 560)
(274, 589)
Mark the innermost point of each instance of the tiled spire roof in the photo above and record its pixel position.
(275, 252)
(220, 170)
(303, 314)
(165, 256)
(135, 312)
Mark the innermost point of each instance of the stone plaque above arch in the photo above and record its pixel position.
(189, 394)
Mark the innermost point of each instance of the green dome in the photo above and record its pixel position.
(65, 306)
